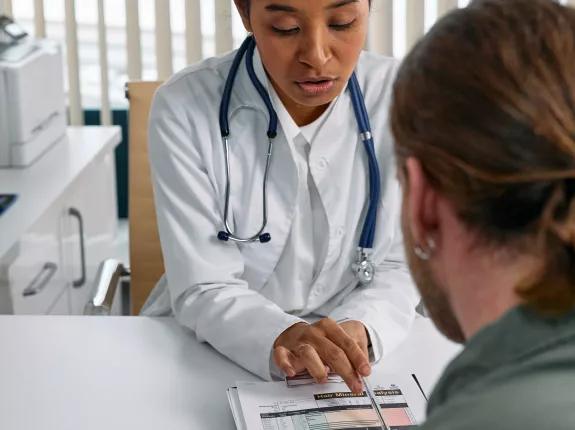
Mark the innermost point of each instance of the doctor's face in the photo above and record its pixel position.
(309, 48)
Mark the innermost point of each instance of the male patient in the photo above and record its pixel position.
(484, 122)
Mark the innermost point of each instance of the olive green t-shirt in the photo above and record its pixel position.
(517, 373)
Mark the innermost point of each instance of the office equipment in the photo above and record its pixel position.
(6, 200)
(32, 100)
(265, 405)
(11, 29)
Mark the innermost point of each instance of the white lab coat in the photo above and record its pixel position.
(223, 291)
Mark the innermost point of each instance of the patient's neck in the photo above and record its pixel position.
(483, 288)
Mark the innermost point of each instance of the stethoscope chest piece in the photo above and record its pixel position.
(364, 267)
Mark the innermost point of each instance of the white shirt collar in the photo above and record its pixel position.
(290, 128)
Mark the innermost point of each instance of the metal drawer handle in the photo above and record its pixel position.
(41, 280)
(82, 280)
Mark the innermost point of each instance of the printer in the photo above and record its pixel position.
(32, 100)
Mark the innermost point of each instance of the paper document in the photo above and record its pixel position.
(274, 406)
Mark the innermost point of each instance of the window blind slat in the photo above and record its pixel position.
(76, 114)
(381, 28)
(444, 6)
(133, 40)
(224, 36)
(414, 22)
(164, 62)
(194, 51)
(6, 8)
(39, 19)
(105, 111)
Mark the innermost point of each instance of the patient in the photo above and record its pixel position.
(484, 122)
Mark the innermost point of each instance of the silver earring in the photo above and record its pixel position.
(425, 255)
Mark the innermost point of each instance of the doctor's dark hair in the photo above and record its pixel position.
(486, 102)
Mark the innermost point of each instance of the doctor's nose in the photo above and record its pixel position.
(315, 50)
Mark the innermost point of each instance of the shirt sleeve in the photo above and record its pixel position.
(204, 274)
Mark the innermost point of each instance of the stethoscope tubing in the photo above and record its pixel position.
(247, 49)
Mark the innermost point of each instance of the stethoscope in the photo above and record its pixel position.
(364, 267)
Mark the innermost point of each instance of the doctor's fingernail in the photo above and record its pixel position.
(290, 371)
(357, 387)
(365, 370)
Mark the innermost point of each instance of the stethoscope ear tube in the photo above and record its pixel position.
(227, 94)
(273, 124)
(248, 46)
(260, 236)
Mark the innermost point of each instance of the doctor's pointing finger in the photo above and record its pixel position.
(308, 347)
(277, 199)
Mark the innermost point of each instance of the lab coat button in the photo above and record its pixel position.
(319, 290)
(321, 164)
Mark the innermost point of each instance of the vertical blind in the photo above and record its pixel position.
(393, 23)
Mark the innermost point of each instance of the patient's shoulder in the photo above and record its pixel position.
(533, 401)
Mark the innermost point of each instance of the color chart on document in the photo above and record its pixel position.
(339, 411)
(274, 406)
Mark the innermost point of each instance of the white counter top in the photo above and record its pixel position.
(118, 373)
(41, 184)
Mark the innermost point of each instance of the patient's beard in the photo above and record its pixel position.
(434, 299)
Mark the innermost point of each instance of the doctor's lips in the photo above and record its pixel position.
(315, 86)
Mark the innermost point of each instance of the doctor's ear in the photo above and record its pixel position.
(243, 7)
(421, 203)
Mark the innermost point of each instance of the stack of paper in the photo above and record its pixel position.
(275, 406)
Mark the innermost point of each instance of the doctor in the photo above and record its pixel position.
(304, 215)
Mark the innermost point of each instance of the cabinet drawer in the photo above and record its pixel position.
(36, 277)
(62, 305)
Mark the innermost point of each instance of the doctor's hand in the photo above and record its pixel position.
(358, 333)
(324, 343)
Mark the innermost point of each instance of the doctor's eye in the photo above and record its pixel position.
(342, 27)
(285, 32)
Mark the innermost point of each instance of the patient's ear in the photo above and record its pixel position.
(421, 204)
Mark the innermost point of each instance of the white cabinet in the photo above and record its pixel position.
(36, 275)
(62, 304)
(89, 229)
(51, 265)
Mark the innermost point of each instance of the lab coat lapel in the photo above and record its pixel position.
(261, 259)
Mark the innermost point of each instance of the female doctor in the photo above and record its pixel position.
(248, 258)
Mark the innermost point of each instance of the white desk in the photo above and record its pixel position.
(119, 373)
